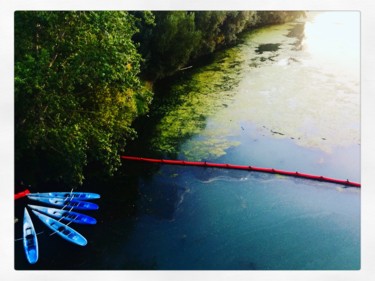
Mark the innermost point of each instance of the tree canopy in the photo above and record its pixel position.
(77, 90)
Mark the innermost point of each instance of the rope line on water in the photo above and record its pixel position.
(227, 166)
(243, 167)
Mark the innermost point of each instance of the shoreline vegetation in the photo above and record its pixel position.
(83, 78)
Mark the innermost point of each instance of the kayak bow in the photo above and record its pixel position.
(30, 241)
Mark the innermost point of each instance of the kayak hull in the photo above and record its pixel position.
(62, 230)
(30, 241)
(65, 215)
(67, 203)
(69, 195)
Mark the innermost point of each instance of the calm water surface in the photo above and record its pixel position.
(287, 97)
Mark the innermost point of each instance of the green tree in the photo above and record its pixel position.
(209, 23)
(235, 23)
(170, 43)
(77, 91)
(145, 22)
(277, 17)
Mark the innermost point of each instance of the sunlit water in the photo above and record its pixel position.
(287, 97)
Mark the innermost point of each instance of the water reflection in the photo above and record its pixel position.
(298, 32)
(160, 198)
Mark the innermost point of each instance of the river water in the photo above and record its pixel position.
(287, 97)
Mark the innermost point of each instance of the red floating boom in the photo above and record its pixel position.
(21, 194)
(242, 167)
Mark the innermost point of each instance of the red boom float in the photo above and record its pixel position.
(21, 194)
(241, 167)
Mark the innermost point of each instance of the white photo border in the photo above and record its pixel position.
(367, 10)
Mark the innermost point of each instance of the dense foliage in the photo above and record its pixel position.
(77, 90)
(77, 79)
(176, 38)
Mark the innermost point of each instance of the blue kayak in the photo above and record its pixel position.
(30, 241)
(65, 202)
(61, 229)
(70, 195)
(65, 215)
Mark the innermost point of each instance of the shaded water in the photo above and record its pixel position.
(240, 221)
(288, 98)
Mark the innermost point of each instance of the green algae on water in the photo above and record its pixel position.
(284, 90)
(206, 91)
